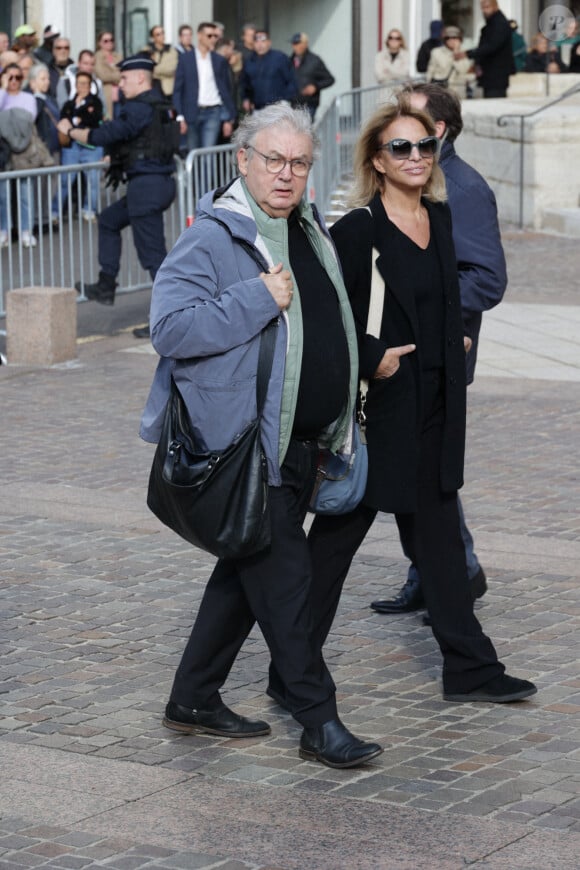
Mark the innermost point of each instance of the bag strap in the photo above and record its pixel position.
(374, 319)
(265, 360)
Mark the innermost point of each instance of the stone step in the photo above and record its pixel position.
(564, 221)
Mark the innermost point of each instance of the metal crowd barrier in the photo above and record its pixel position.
(67, 244)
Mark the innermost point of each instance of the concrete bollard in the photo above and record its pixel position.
(41, 325)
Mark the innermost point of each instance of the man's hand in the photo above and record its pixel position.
(467, 342)
(279, 284)
(390, 363)
(308, 90)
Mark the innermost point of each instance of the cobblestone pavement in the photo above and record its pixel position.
(97, 599)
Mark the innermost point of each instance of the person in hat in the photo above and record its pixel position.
(140, 152)
(311, 73)
(444, 69)
(44, 53)
(25, 40)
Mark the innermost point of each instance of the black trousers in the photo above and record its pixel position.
(272, 588)
(432, 538)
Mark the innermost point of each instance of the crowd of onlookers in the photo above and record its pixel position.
(442, 60)
(210, 80)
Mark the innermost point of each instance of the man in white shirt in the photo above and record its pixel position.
(202, 93)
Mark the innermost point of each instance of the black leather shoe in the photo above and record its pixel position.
(333, 745)
(499, 690)
(142, 332)
(223, 722)
(102, 291)
(410, 598)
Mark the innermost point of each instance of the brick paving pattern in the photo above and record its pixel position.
(97, 599)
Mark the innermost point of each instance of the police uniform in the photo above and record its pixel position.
(150, 187)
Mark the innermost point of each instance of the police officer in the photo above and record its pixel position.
(141, 153)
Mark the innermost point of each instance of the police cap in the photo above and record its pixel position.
(137, 61)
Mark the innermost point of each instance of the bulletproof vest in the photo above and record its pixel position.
(159, 141)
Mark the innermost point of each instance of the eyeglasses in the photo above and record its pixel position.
(107, 39)
(397, 38)
(299, 167)
(15, 78)
(260, 38)
(62, 47)
(211, 35)
(401, 149)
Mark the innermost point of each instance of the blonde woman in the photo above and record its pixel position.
(415, 408)
(106, 69)
(392, 63)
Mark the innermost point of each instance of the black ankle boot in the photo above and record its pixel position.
(333, 745)
(103, 291)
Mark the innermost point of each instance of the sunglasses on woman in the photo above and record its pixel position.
(401, 149)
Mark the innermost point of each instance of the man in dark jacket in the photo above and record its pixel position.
(267, 76)
(482, 282)
(425, 49)
(493, 54)
(311, 73)
(202, 94)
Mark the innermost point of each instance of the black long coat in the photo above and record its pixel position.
(393, 408)
(494, 53)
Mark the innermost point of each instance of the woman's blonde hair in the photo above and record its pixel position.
(398, 32)
(367, 181)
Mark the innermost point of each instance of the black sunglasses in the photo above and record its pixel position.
(401, 149)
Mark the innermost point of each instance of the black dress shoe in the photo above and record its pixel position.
(410, 598)
(333, 745)
(223, 722)
(142, 332)
(499, 690)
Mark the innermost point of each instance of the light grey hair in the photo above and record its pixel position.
(35, 70)
(276, 115)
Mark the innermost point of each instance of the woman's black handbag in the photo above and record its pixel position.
(217, 501)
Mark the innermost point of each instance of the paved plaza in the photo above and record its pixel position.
(97, 599)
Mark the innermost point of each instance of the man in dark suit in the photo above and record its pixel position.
(493, 54)
(202, 94)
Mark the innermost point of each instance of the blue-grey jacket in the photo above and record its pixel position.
(478, 247)
(208, 308)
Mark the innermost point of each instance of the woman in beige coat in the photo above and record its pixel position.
(444, 69)
(392, 63)
(106, 60)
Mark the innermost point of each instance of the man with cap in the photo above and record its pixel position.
(444, 69)
(43, 53)
(25, 40)
(311, 73)
(142, 154)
